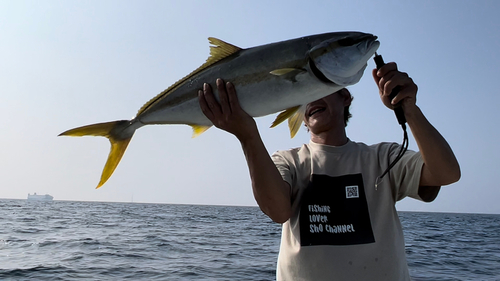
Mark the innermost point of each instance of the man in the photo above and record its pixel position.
(336, 224)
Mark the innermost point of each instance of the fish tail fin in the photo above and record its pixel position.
(119, 135)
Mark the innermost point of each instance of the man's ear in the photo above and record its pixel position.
(347, 97)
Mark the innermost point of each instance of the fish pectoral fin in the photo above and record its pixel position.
(295, 115)
(283, 71)
(295, 121)
(199, 129)
(287, 73)
(284, 115)
(220, 50)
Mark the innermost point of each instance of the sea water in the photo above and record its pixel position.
(63, 240)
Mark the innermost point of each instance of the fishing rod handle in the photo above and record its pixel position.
(398, 109)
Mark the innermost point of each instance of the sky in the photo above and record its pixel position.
(65, 64)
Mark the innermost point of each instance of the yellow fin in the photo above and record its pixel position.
(118, 148)
(100, 129)
(284, 115)
(295, 116)
(118, 136)
(295, 121)
(198, 130)
(218, 51)
(283, 71)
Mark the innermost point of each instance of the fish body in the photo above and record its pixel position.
(283, 76)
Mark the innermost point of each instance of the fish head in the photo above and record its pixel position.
(342, 58)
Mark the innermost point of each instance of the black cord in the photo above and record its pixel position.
(402, 150)
(398, 110)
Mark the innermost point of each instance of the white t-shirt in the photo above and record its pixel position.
(342, 227)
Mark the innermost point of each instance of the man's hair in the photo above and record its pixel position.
(347, 114)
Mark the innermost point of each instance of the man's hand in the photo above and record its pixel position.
(227, 114)
(270, 191)
(387, 78)
(440, 165)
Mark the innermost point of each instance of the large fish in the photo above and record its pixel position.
(283, 76)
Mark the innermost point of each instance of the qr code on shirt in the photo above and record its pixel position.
(351, 191)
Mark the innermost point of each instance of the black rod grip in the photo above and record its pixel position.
(398, 110)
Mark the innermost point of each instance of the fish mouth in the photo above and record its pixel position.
(370, 39)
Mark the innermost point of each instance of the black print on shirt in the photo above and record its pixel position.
(334, 212)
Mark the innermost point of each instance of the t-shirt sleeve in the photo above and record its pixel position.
(283, 165)
(406, 173)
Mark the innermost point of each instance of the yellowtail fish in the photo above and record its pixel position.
(278, 77)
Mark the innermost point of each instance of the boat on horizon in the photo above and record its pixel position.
(37, 197)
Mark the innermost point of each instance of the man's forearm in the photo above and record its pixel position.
(271, 192)
(441, 166)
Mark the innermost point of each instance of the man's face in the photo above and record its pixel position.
(326, 113)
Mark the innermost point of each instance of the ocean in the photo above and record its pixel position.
(64, 240)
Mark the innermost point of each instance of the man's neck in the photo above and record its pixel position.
(338, 138)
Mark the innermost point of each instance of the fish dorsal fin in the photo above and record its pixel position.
(218, 51)
(295, 115)
(199, 129)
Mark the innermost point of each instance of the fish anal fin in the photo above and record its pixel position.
(199, 129)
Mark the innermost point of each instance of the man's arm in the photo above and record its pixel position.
(271, 192)
(440, 165)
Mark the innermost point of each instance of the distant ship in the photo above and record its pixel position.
(36, 197)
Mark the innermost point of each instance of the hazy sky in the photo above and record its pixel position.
(65, 64)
